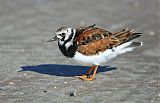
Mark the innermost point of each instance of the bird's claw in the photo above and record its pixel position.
(85, 77)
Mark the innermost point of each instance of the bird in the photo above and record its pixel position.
(93, 45)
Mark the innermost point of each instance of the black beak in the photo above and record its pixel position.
(52, 39)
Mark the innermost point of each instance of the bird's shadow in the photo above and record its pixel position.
(63, 70)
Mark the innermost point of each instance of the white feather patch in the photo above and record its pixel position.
(104, 56)
(68, 44)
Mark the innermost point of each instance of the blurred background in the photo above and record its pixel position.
(25, 25)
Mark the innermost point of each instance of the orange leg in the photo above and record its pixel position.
(88, 73)
(90, 70)
(86, 77)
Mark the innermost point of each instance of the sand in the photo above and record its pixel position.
(34, 71)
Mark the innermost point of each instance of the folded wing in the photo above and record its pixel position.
(95, 40)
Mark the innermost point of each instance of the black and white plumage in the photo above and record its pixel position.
(66, 41)
(94, 45)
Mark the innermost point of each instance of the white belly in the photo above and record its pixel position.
(104, 56)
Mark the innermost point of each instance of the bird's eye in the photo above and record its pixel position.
(62, 34)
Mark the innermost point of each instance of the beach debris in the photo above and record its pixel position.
(65, 82)
(11, 83)
(73, 94)
(54, 87)
(24, 74)
(44, 91)
(21, 93)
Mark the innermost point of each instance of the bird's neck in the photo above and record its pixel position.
(68, 47)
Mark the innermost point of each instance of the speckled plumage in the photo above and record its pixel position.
(94, 45)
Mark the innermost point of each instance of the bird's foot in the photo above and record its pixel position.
(85, 77)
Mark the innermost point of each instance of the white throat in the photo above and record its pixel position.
(69, 38)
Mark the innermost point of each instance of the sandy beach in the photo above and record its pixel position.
(34, 71)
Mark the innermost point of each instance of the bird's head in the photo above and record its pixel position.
(63, 34)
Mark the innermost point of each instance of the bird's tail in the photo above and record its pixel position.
(127, 35)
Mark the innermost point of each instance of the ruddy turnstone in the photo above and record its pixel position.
(94, 45)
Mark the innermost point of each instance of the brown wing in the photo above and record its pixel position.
(95, 40)
(81, 29)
